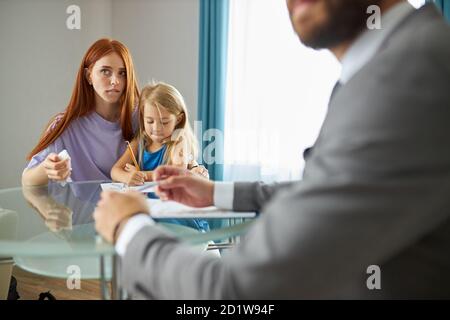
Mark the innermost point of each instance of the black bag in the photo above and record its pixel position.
(47, 295)
(14, 295)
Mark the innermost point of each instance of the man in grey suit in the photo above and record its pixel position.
(371, 217)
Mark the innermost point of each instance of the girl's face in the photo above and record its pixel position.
(159, 123)
(108, 78)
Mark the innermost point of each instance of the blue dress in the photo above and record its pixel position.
(149, 161)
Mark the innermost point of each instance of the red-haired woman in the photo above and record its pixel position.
(93, 128)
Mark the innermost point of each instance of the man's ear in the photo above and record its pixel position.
(87, 75)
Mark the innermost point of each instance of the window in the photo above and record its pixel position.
(277, 93)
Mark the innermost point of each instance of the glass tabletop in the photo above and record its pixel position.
(49, 230)
(56, 221)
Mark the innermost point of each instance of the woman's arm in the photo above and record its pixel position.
(56, 215)
(35, 176)
(130, 176)
(50, 166)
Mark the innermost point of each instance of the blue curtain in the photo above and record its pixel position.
(444, 6)
(212, 77)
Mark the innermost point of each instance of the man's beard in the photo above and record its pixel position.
(346, 19)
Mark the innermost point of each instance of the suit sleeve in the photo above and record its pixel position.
(252, 196)
(314, 240)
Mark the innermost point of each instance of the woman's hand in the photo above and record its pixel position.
(57, 216)
(200, 170)
(55, 168)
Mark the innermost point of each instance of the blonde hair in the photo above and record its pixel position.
(163, 95)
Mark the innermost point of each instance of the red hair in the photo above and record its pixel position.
(82, 101)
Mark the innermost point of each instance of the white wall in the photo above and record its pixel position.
(163, 38)
(39, 58)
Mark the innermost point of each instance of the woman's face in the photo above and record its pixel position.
(159, 123)
(108, 77)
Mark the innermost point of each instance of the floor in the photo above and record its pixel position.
(30, 286)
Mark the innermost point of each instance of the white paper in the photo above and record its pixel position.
(63, 155)
(122, 187)
(172, 209)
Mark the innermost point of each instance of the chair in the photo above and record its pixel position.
(6, 265)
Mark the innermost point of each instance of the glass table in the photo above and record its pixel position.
(49, 230)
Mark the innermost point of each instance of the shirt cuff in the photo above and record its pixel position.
(224, 195)
(132, 227)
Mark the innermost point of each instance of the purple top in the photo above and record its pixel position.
(93, 143)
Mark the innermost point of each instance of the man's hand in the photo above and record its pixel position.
(181, 185)
(115, 207)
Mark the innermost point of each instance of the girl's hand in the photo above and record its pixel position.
(135, 178)
(55, 168)
(130, 168)
(200, 170)
(148, 175)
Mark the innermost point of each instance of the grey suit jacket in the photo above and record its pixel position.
(376, 191)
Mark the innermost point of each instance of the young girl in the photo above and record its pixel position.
(165, 137)
(96, 123)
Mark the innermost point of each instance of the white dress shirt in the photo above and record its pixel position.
(360, 52)
(369, 41)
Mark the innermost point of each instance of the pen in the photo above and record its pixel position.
(133, 157)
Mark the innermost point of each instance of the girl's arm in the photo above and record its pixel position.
(118, 172)
(56, 215)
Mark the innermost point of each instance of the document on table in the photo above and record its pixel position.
(122, 187)
(172, 209)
